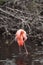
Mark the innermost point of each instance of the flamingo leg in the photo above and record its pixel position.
(25, 48)
(19, 50)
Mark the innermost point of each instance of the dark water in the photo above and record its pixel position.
(9, 55)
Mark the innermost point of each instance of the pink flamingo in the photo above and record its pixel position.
(21, 37)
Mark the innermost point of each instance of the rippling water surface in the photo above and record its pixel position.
(9, 55)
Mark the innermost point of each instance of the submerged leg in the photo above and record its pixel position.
(25, 48)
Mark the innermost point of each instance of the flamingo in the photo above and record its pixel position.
(21, 37)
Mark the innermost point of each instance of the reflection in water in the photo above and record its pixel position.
(24, 60)
(20, 62)
(7, 51)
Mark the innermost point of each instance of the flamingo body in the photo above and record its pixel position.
(21, 37)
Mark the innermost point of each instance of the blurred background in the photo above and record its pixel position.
(28, 15)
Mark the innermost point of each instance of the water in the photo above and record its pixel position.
(9, 55)
(17, 60)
